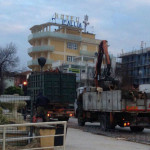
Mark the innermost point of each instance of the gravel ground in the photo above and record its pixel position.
(80, 140)
(123, 133)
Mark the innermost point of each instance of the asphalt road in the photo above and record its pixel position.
(80, 140)
(118, 133)
(127, 129)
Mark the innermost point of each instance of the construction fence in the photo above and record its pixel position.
(33, 136)
(16, 131)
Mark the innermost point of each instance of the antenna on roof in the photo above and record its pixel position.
(142, 44)
(92, 29)
(85, 22)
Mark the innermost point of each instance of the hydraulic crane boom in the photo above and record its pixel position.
(103, 49)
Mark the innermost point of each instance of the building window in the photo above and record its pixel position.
(71, 45)
(70, 58)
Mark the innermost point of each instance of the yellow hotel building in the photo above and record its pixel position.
(56, 41)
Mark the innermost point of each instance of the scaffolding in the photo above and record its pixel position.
(137, 64)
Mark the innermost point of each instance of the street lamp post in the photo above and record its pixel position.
(41, 61)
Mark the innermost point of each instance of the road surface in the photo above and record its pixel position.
(124, 133)
(80, 140)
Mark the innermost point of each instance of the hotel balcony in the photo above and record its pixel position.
(92, 41)
(42, 48)
(54, 35)
(87, 53)
(35, 62)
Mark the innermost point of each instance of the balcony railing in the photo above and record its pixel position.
(49, 61)
(41, 48)
(35, 62)
(89, 40)
(55, 35)
(87, 53)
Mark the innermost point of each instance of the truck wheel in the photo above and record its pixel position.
(66, 118)
(81, 122)
(76, 115)
(63, 119)
(105, 123)
(136, 129)
(60, 119)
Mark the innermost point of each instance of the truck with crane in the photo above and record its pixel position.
(109, 104)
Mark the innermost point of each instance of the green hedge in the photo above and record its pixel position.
(13, 90)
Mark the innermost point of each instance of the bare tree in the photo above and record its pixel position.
(8, 60)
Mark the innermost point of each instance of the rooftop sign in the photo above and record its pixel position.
(67, 20)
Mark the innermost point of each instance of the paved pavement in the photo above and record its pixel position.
(80, 140)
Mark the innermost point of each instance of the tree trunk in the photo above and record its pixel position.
(1, 82)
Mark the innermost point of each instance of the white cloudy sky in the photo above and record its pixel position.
(124, 23)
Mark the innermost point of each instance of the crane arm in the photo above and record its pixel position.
(105, 46)
(103, 50)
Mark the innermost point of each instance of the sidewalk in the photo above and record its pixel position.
(79, 140)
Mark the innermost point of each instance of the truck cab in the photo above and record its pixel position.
(78, 91)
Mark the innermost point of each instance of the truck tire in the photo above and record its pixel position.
(81, 122)
(66, 119)
(60, 119)
(63, 119)
(105, 123)
(136, 129)
(76, 115)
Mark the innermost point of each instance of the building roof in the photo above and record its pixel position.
(23, 73)
(136, 52)
(39, 27)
